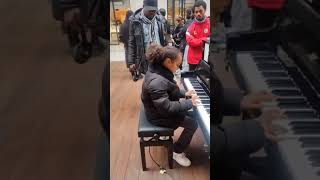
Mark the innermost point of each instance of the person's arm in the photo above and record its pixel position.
(183, 93)
(243, 137)
(131, 45)
(193, 41)
(231, 102)
(183, 31)
(161, 99)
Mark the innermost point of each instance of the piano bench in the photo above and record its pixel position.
(152, 132)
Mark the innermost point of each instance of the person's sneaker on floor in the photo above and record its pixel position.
(164, 137)
(181, 159)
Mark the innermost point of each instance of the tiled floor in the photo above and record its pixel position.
(117, 53)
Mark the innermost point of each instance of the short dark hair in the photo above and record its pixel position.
(162, 11)
(200, 3)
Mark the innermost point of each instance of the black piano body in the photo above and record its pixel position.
(199, 80)
(285, 60)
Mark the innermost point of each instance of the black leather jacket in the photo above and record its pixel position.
(136, 48)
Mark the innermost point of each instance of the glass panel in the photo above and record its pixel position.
(170, 12)
(177, 10)
(118, 12)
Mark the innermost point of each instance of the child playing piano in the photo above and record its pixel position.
(165, 104)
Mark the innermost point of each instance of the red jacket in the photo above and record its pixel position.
(197, 32)
(266, 4)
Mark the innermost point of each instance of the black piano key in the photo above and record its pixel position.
(206, 106)
(201, 94)
(200, 91)
(208, 111)
(195, 82)
(300, 123)
(293, 106)
(301, 128)
(205, 101)
(286, 92)
(266, 60)
(314, 157)
(268, 67)
(274, 83)
(315, 162)
(306, 131)
(294, 103)
(262, 54)
(294, 100)
(275, 74)
(310, 142)
(300, 115)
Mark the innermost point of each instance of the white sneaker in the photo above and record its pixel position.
(181, 159)
(164, 137)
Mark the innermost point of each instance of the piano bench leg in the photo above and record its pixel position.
(143, 156)
(170, 153)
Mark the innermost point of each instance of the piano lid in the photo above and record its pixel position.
(307, 12)
(300, 37)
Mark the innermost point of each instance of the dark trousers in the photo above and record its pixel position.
(192, 67)
(126, 54)
(190, 126)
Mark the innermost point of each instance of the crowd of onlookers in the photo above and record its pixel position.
(149, 25)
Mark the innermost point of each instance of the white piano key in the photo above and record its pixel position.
(201, 109)
(289, 146)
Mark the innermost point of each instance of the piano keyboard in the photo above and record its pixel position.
(300, 147)
(203, 108)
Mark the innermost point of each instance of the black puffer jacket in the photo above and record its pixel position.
(136, 48)
(162, 98)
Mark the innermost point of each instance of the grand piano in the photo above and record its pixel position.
(199, 80)
(285, 60)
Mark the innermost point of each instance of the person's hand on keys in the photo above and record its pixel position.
(190, 93)
(256, 100)
(267, 120)
(195, 100)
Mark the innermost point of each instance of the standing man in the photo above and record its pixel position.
(146, 27)
(166, 25)
(176, 32)
(183, 45)
(198, 32)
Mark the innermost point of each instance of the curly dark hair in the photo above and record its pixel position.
(156, 54)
